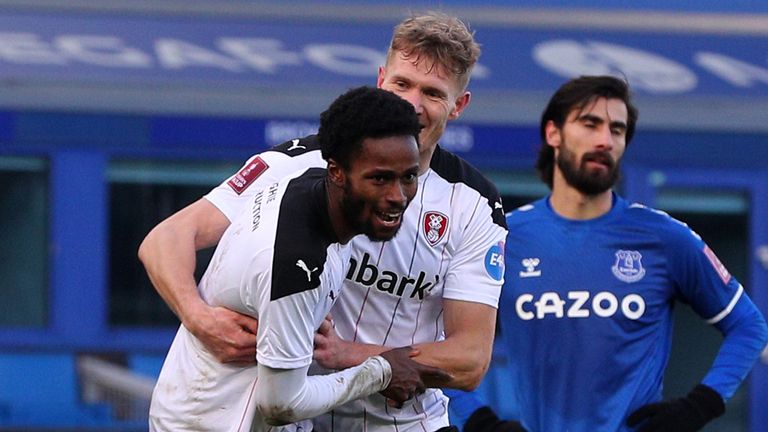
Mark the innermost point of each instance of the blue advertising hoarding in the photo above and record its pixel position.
(211, 53)
(245, 84)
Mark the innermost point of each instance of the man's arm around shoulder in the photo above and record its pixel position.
(465, 353)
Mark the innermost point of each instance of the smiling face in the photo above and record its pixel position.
(380, 182)
(589, 146)
(434, 92)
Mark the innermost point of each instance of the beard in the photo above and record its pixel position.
(586, 181)
(352, 207)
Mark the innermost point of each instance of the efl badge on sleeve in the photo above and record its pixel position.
(435, 226)
(250, 172)
(628, 266)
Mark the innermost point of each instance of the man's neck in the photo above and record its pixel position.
(573, 204)
(338, 221)
(425, 158)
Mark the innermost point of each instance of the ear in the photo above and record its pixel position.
(380, 76)
(461, 103)
(553, 134)
(336, 174)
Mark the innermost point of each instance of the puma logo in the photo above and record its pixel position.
(300, 264)
(295, 145)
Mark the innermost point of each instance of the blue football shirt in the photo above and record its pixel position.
(586, 311)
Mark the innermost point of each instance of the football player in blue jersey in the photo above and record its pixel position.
(590, 283)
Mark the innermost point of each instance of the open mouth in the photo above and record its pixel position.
(389, 219)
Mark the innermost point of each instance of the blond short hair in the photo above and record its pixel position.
(439, 39)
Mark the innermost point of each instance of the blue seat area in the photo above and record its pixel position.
(36, 378)
(42, 391)
(146, 364)
(39, 389)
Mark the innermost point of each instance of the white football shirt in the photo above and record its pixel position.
(280, 262)
(450, 245)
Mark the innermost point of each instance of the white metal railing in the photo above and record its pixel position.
(126, 392)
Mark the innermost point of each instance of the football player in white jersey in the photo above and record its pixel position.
(435, 286)
(282, 261)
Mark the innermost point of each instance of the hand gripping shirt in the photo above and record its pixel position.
(586, 312)
(450, 246)
(280, 262)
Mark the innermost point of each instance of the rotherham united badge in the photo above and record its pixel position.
(435, 226)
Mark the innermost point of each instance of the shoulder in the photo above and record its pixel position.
(303, 235)
(291, 155)
(674, 234)
(298, 146)
(454, 169)
(272, 165)
(287, 203)
(657, 219)
(302, 200)
(531, 212)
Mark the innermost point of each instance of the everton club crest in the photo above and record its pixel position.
(628, 266)
(435, 226)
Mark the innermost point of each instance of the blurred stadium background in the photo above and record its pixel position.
(116, 113)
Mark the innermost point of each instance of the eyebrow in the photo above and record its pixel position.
(383, 171)
(424, 89)
(595, 119)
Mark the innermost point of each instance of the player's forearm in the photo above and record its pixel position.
(356, 353)
(466, 351)
(746, 336)
(168, 255)
(466, 362)
(288, 395)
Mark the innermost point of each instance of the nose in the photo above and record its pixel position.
(605, 138)
(397, 194)
(415, 98)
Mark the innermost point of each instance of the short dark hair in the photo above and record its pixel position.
(577, 94)
(360, 113)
